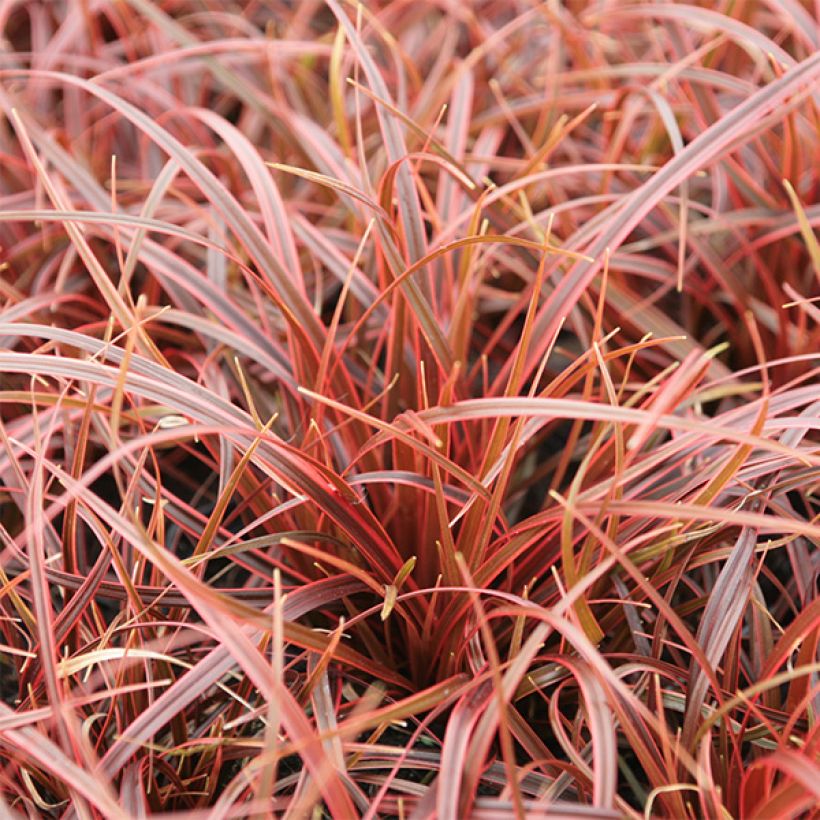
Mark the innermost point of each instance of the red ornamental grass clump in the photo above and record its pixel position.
(409, 409)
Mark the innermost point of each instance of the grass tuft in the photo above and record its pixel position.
(409, 409)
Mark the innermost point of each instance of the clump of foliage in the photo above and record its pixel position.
(409, 409)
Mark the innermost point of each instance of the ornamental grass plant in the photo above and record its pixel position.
(409, 409)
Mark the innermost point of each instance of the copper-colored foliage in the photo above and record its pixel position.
(409, 409)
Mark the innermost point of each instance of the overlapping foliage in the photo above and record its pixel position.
(409, 409)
